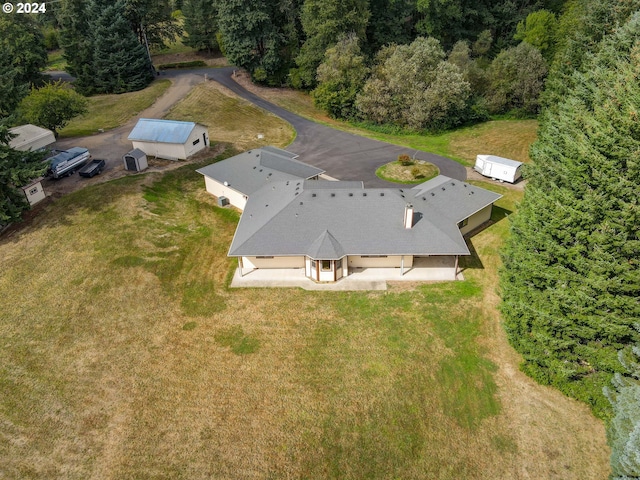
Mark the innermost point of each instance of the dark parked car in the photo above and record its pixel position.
(94, 167)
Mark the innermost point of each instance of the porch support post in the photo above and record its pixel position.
(402, 265)
(455, 273)
(240, 266)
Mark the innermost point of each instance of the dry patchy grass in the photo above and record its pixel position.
(110, 111)
(231, 119)
(123, 355)
(505, 138)
(416, 172)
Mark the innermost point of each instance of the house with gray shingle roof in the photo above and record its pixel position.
(170, 139)
(239, 177)
(327, 229)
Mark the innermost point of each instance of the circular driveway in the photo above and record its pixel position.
(342, 155)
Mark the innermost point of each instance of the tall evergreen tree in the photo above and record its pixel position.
(76, 40)
(571, 278)
(623, 432)
(22, 56)
(200, 24)
(120, 62)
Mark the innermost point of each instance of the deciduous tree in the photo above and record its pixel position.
(52, 106)
(323, 22)
(341, 76)
(413, 86)
(516, 80)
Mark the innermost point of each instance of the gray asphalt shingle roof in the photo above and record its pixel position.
(327, 220)
(162, 131)
(250, 171)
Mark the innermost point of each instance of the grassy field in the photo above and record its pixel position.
(55, 61)
(232, 119)
(111, 111)
(123, 354)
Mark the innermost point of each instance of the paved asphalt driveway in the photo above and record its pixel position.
(342, 155)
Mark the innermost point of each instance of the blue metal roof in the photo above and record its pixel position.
(162, 131)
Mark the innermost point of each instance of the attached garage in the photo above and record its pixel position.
(169, 139)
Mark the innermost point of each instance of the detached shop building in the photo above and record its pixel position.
(169, 139)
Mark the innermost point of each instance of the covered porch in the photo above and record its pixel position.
(424, 269)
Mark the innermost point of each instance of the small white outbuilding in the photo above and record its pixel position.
(135, 160)
(34, 191)
(30, 137)
(498, 168)
(170, 139)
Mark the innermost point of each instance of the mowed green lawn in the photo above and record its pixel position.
(124, 355)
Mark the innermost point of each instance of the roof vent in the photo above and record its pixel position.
(402, 196)
(364, 194)
(424, 198)
(287, 182)
(382, 194)
(313, 194)
(443, 189)
(226, 184)
(464, 185)
(402, 190)
(301, 203)
(254, 167)
(453, 184)
(333, 194)
(433, 194)
(267, 205)
(270, 174)
(351, 194)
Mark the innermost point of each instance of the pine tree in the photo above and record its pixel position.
(623, 432)
(120, 63)
(200, 24)
(77, 41)
(571, 282)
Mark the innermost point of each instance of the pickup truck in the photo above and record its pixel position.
(67, 161)
(94, 167)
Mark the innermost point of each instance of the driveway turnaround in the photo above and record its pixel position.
(342, 155)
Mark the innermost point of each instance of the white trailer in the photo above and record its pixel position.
(30, 137)
(498, 168)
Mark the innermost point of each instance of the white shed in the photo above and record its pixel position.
(30, 137)
(169, 139)
(498, 168)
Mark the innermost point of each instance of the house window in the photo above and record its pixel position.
(263, 257)
(463, 223)
(196, 141)
(33, 191)
(339, 264)
(373, 256)
(313, 264)
(326, 265)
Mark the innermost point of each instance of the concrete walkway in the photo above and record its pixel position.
(432, 269)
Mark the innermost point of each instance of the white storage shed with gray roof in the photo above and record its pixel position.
(170, 139)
